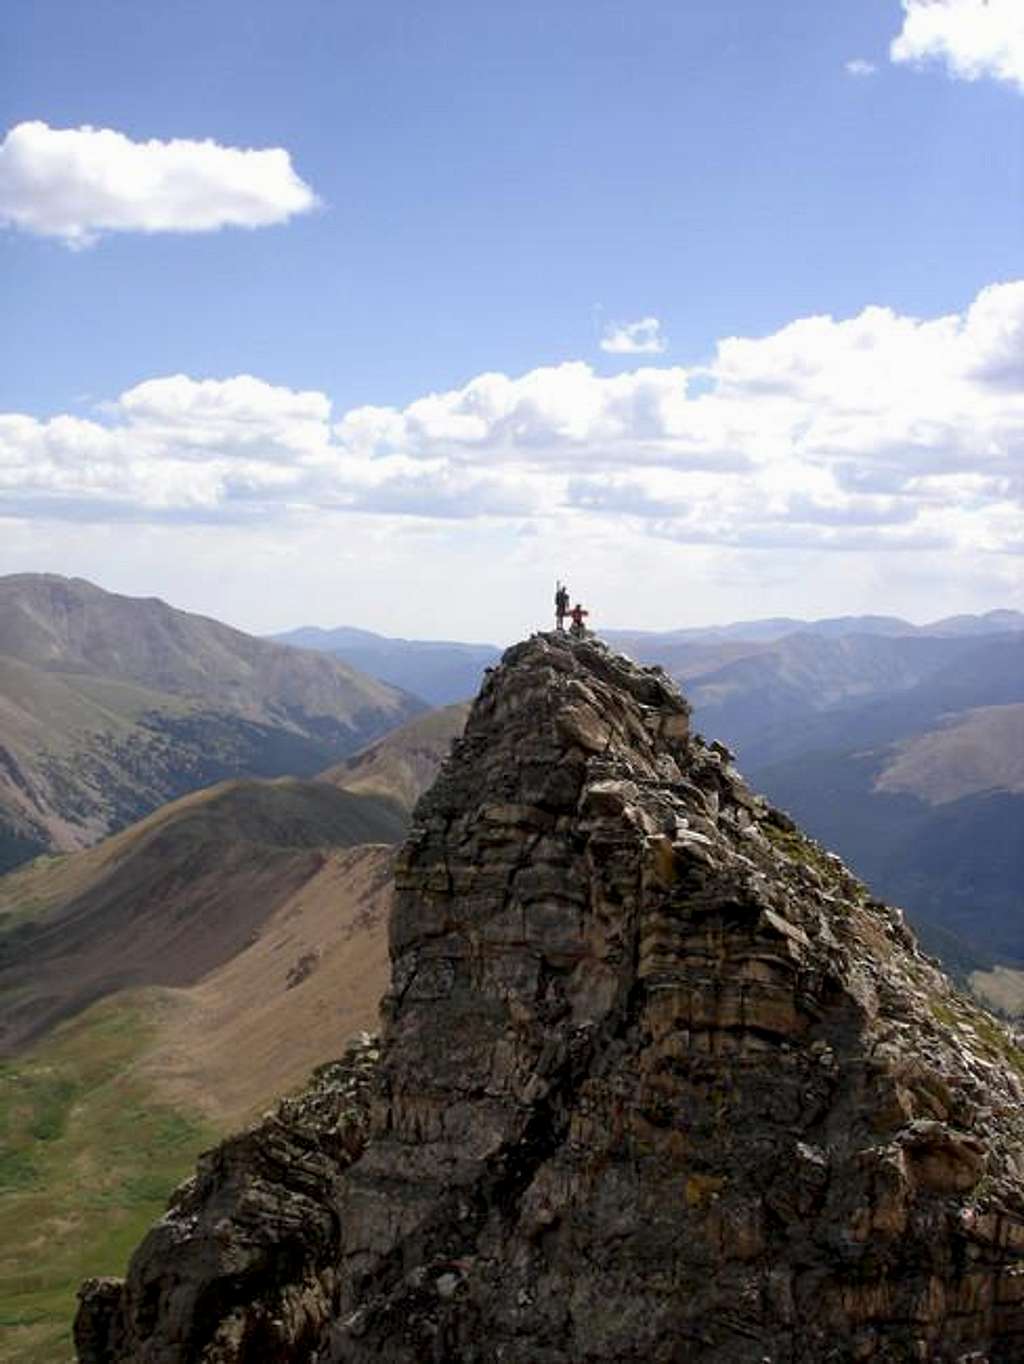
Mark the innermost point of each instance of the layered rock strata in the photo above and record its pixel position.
(659, 1081)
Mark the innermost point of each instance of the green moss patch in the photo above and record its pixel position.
(87, 1160)
(799, 848)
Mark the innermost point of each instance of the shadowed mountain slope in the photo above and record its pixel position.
(864, 736)
(659, 1080)
(763, 704)
(170, 899)
(921, 791)
(112, 705)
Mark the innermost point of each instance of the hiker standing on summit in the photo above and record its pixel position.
(561, 606)
(577, 629)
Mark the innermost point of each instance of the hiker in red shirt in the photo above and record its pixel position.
(577, 615)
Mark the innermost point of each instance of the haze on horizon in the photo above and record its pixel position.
(388, 318)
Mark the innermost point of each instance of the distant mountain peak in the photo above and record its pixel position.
(110, 705)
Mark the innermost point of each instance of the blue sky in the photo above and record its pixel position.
(497, 188)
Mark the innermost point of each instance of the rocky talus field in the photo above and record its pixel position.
(658, 1081)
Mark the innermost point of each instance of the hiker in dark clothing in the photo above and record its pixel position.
(561, 605)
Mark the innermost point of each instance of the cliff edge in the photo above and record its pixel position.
(658, 1081)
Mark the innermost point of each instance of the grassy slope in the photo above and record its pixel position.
(310, 978)
(88, 1154)
(257, 900)
(103, 1118)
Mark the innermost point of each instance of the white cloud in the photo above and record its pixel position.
(225, 450)
(232, 417)
(634, 338)
(560, 415)
(860, 68)
(77, 183)
(873, 434)
(974, 38)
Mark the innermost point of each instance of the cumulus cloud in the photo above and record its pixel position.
(77, 183)
(229, 417)
(974, 38)
(559, 415)
(618, 495)
(634, 338)
(237, 449)
(866, 434)
(860, 68)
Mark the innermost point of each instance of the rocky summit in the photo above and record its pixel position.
(658, 1080)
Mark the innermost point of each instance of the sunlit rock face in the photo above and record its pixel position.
(658, 1081)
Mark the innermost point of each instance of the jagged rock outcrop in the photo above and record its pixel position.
(245, 1262)
(659, 1081)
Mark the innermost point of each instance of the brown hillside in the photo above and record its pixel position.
(172, 899)
(404, 763)
(155, 1074)
(69, 625)
(311, 978)
(982, 750)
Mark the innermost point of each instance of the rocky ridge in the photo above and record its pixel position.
(659, 1081)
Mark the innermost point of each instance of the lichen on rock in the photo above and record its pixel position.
(658, 1081)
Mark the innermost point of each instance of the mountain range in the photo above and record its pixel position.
(110, 706)
(903, 752)
(442, 671)
(189, 888)
(168, 984)
(900, 745)
(439, 671)
(247, 918)
(922, 790)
